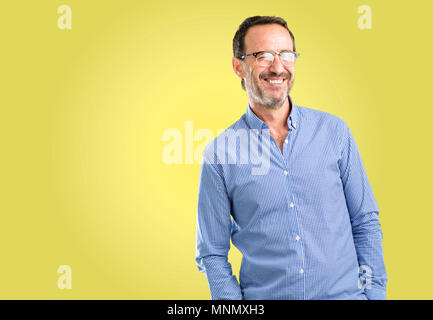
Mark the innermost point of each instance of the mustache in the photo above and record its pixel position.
(286, 75)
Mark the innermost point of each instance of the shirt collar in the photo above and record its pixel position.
(256, 123)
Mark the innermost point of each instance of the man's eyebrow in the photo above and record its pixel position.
(274, 51)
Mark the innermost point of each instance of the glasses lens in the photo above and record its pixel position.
(264, 59)
(288, 58)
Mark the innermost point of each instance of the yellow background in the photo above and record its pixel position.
(82, 181)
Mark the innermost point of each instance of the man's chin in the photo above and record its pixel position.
(275, 93)
(276, 101)
(270, 99)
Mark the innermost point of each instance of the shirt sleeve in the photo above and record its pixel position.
(213, 231)
(363, 211)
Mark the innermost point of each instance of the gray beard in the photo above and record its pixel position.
(256, 94)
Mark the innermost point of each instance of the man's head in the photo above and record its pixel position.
(264, 33)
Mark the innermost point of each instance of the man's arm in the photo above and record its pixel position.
(213, 234)
(363, 210)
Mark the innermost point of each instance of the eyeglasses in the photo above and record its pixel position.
(266, 58)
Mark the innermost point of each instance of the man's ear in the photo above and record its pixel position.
(237, 67)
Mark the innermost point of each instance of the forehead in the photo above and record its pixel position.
(272, 37)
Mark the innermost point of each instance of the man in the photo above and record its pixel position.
(308, 227)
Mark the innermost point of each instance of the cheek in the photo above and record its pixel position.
(292, 72)
(249, 74)
(255, 76)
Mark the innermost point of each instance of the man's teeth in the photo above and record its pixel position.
(276, 81)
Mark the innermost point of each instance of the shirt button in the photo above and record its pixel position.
(291, 204)
(285, 172)
(301, 271)
(287, 141)
(297, 238)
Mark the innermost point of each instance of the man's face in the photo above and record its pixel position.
(270, 37)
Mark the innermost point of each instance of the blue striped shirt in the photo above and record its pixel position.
(304, 218)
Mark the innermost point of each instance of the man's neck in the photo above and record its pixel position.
(274, 118)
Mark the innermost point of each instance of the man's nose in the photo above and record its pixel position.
(276, 65)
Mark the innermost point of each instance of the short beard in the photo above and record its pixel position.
(256, 94)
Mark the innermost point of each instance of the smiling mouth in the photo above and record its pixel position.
(275, 82)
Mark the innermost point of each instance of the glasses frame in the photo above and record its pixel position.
(271, 52)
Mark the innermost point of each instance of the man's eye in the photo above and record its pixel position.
(288, 56)
(265, 56)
